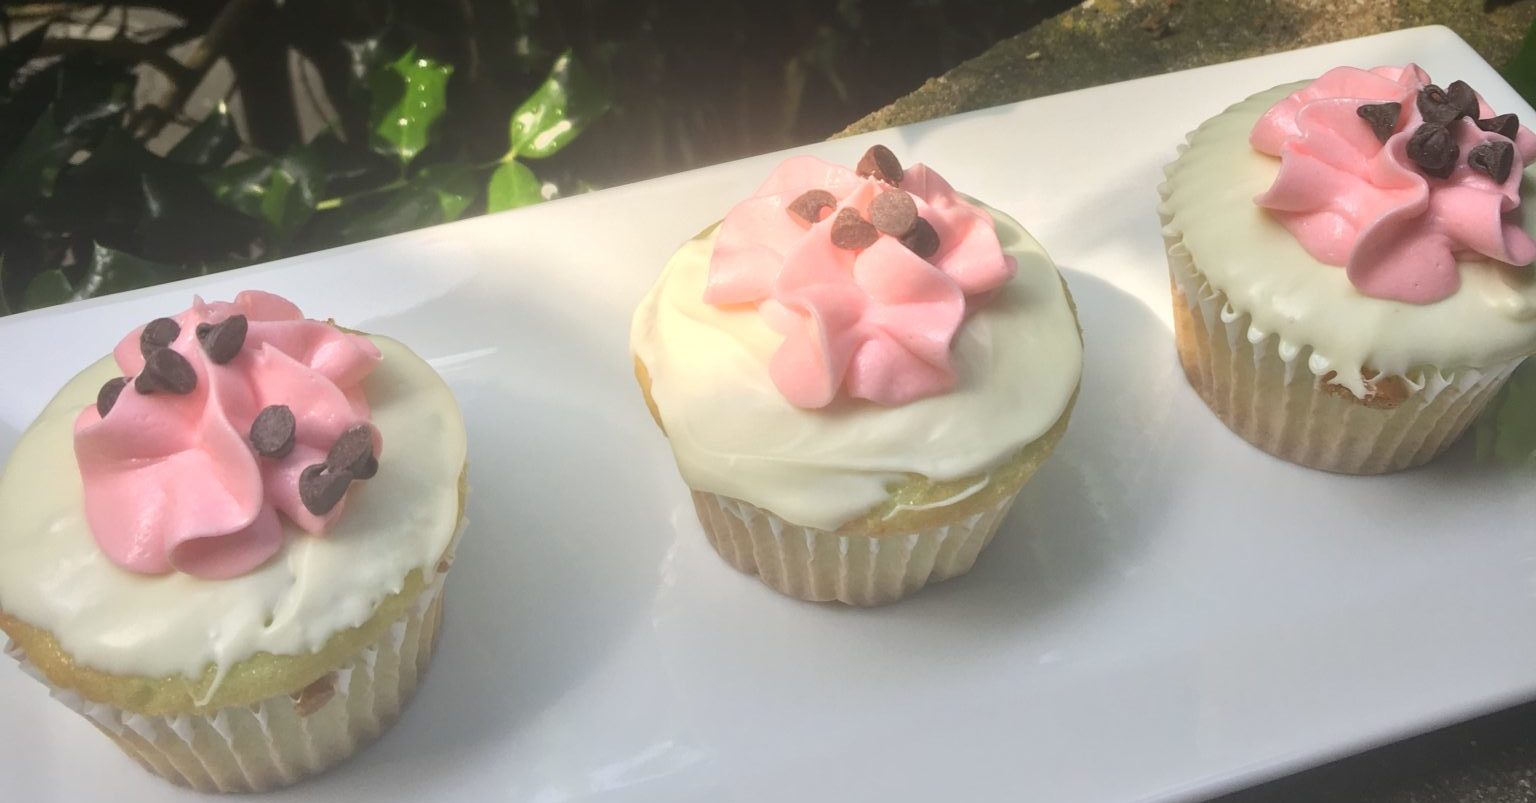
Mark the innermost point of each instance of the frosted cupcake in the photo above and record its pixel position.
(206, 550)
(1350, 263)
(858, 371)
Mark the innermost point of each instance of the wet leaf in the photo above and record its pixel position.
(1507, 431)
(511, 186)
(437, 195)
(557, 111)
(210, 143)
(47, 289)
(1521, 70)
(31, 170)
(113, 271)
(92, 95)
(409, 95)
(16, 54)
(241, 185)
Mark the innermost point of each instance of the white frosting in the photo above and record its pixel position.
(1018, 359)
(1264, 272)
(53, 576)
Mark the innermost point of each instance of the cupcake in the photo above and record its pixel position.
(857, 371)
(225, 545)
(1350, 262)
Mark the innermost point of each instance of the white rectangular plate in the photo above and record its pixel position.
(1168, 613)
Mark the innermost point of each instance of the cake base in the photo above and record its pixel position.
(284, 739)
(820, 566)
(1279, 406)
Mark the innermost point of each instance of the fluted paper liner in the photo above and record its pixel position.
(1279, 406)
(821, 566)
(282, 739)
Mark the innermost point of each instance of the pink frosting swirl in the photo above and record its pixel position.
(171, 482)
(876, 322)
(1353, 201)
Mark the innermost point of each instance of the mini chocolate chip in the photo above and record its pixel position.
(893, 212)
(224, 339)
(158, 334)
(272, 431)
(1436, 106)
(1494, 159)
(367, 469)
(853, 232)
(320, 489)
(878, 162)
(1463, 98)
(1382, 117)
(166, 369)
(1434, 149)
(809, 206)
(352, 449)
(922, 240)
(1505, 125)
(106, 398)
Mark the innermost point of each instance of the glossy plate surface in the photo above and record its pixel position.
(1168, 612)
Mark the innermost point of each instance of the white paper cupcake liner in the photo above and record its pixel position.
(820, 566)
(1274, 401)
(283, 739)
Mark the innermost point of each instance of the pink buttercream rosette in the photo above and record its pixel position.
(877, 322)
(171, 482)
(1352, 200)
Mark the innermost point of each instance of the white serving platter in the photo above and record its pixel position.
(1168, 614)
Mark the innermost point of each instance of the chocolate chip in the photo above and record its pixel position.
(853, 232)
(1463, 98)
(1493, 159)
(893, 212)
(158, 334)
(272, 431)
(878, 162)
(224, 339)
(1436, 106)
(106, 398)
(922, 240)
(320, 488)
(166, 369)
(809, 206)
(1434, 149)
(1382, 117)
(352, 450)
(1505, 125)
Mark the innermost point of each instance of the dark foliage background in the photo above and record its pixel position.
(432, 110)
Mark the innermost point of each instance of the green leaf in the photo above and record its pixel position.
(409, 94)
(242, 184)
(1521, 70)
(556, 112)
(437, 195)
(113, 271)
(292, 190)
(210, 143)
(92, 95)
(1507, 431)
(511, 186)
(48, 289)
(31, 170)
(16, 54)
(282, 193)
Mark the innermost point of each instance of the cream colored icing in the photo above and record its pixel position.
(1312, 307)
(1017, 357)
(54, 576)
